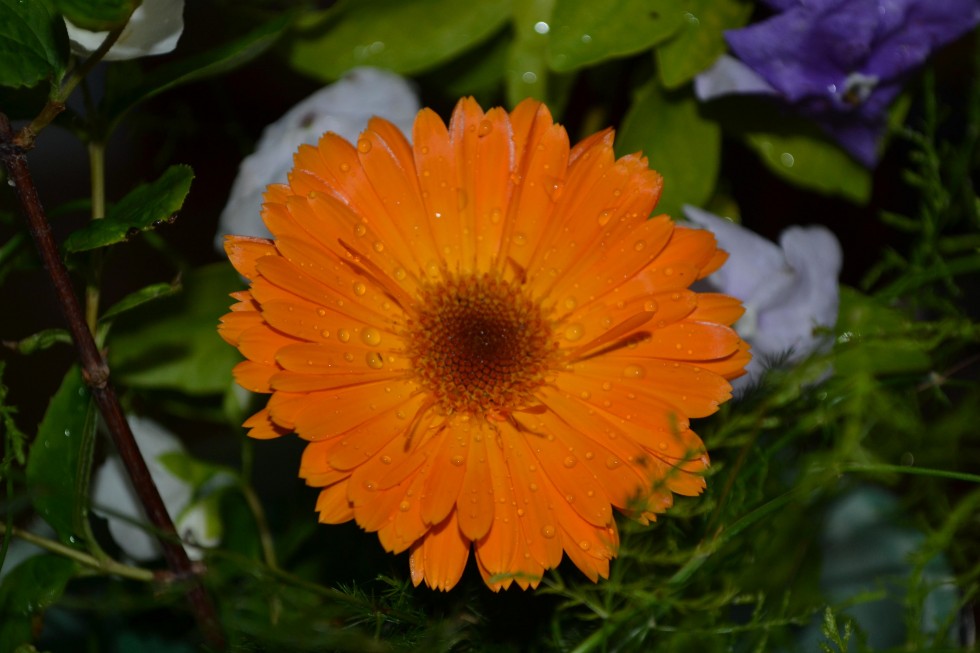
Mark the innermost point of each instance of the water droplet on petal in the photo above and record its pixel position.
(370, 486)
(650, 306)
(613, 462)
(378, 246)
(569, 461)
(359, 289)
(404, 506)
(345, 167)
(604, 218)
(371, 336)
(349, 357)
(325, 333)
(374, 361)
(633, 372)
(360, 229)
(573, 332)
(485, 128)
(457, 460)
(639, 245)
(519, 239)
(584, 545)
(548, 531)
(386, 460)
(363, 145)
(321, 312)
(533, 487)
(343, 335)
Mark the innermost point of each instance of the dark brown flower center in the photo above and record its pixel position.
(479, 344)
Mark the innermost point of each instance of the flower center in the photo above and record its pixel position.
(479, 344)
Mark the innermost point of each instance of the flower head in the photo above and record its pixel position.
(485, 341)
(790, 290)
(154, 28)
(841, 62)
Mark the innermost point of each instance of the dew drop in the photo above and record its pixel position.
(349, 357)
(386, 460)
(519, 239)
(321, 312)
(533, 487)
(325, 333)
(400, 273)
(633, 372)
(374, 360)
(570, 303)
(67, 433)
(548, 531)
(589, 456)
(363, 145)
(650, 306)
(584, 545)
(495, 216)
(520, 512)
(485, 128)
(570, 498)
(359, 289)
(378, 246)
(405, 506)
(585, 394)
(370, 486)
(606, 385)
(604, 218)
(360, 229)
(371, 336)
(457, 460)
(424, 149)
(345, 167)
(569, 462)
(574, 332)
(613, 462)
(639, 245)
(669, 272)
(343, 335)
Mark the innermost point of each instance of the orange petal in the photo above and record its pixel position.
(440, 557)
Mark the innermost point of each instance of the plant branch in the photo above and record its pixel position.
(108, 566)
(95, 372)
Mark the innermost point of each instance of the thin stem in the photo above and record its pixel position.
(56, 103)
(95, 372)
(96, 158)
(107, 565)
(265, 537)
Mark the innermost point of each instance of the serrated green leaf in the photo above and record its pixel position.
(42, 340)
(679, 142)
(143, 208)
(173, 343)
(130, 87)
(140, 297)
(405, 37)
(60, 461)
(29, 589)
(700, 39)
(584, 32)
(33, 43)
(98, 15)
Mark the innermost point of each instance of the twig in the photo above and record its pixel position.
(108, 566)
(96, 375)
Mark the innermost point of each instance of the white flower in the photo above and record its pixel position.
(115, 499)
(154, 28)
(343, 108)
(790, 290)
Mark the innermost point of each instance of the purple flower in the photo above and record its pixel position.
(842, 62)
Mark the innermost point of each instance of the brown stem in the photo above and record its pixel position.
(96, 375)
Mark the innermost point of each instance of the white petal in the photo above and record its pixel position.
(730, 76)
(343, 108)
(114, 498)
(154, 28)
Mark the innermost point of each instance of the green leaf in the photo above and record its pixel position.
(33, 43)
(145, 207)
(140, 297)
(29, 589)
(42, 340)
(680, 143)
(98, 15)
(700, 39)
(173, 343)
(405, 37)
(876, 339)
(585, 32)
(794, 148)
(60, 460)
(527, 72)
(130, 88)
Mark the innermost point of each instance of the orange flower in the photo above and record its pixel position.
(484, 340)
